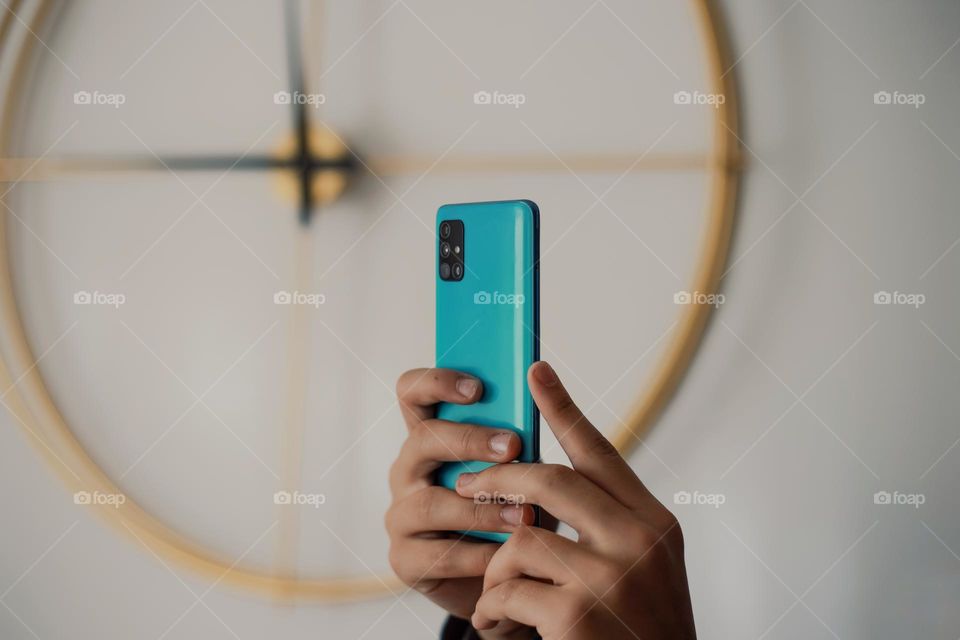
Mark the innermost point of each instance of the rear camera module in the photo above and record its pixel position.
(451, 250)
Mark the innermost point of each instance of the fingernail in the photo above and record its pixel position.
(467, 387)
(545, 374)
(512, 514)
(500, 442)
(465, 479)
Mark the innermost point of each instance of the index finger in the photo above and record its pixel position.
(590, 453)
(419, 389)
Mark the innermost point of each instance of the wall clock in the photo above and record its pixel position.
(217, 252)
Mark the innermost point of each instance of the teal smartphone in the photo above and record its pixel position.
(488, 321)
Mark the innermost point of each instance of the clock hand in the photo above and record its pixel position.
(303, 154)
(193, 163)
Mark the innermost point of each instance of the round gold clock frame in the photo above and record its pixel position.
(28, 400)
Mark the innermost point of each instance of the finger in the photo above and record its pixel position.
(559, 489)
(419, 389)
(525, 601)
(438, 509)
(416, 560)
(536, 553)
(589, 451)
(432, 442)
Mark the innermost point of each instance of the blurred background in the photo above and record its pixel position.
(218, 257)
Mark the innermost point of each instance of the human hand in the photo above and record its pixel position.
(446, 567)
(623, 578)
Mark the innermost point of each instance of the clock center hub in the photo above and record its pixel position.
(324, 166)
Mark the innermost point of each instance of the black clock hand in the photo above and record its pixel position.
(302, 153)
(194, 163)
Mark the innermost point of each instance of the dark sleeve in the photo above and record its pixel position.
(458, 629)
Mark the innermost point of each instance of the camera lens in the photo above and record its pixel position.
(444, 230)
(444, 249)
(457, 270)
(444, 270)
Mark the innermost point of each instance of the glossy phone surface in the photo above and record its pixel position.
(488, 319)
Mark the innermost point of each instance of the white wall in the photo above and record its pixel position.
(805, 399)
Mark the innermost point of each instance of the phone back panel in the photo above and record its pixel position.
(488, 323)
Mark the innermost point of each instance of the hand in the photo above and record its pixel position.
(446, 567)
(623, 578)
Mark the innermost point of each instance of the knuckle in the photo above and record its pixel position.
(671, 525)
(486, 558)
(418, 432)
(674, 535)
(397, 559)
(467, 438)
(644, 537)
(611, 574)
(441, 564)
(421, 438)
(511, 589)
(481, 515)
(405, 382)
(390, 520)
(425, 505)
(393, 474)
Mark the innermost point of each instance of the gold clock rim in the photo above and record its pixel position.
(30, 403)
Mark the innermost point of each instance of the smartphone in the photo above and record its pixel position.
(488, 321)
